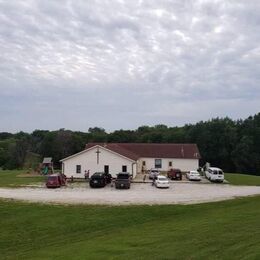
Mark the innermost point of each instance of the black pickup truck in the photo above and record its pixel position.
(123, 180)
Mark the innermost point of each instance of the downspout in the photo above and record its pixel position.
(133, 169)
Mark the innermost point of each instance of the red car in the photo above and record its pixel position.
(56, 181)
(174, 174)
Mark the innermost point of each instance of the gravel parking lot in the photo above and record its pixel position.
(178, 193)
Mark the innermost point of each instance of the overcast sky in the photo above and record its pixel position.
(77, 64)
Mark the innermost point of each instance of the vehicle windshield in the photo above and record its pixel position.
(217, 172)
(97, 176)
(52, 178)
(123, 176)
(162, 178)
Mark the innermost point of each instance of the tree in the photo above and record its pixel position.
(96, 130)
(231, 145)
(242, 155)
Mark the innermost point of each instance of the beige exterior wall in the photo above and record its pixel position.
(88, 161)
(183, 164)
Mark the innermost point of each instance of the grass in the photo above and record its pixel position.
(220, 230)
(12, 179)
(242, 179)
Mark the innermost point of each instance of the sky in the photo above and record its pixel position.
(76, 64)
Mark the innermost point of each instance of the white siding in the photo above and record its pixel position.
(182, 164)
(88, 161)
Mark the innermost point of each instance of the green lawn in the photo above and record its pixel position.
(242, 179)
(220, 230)
(12, 179)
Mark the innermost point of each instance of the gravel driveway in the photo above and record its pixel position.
(181, 193)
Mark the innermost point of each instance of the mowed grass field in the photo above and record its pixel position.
(242, 179)
(17, 178)
(220, 230)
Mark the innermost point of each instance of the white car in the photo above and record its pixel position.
(193, 176)
(153, 173)
(214, 174)
(161, 182)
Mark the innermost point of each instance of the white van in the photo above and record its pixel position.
(214, 174)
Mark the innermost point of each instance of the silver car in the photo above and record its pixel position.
(153, 173)
(193, 176)
(162, 182)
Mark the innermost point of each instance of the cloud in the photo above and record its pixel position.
(122, 63)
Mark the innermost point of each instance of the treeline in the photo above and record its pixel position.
(233, 145)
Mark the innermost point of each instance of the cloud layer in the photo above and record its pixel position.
(121, 64)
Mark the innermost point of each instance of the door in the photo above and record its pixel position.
(106, 169)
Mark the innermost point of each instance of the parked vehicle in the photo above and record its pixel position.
(214, 174)
(123, 180)
(161, 182)
(174, 174)
(153, 173)
(108, 177)
(99, 179)
(193, 176)
(56, 180)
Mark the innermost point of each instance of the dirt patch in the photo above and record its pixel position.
(29, 174)
(181, 193)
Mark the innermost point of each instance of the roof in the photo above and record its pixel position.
(214, 168)
(135, 151)
(121, 152)
(47, 160)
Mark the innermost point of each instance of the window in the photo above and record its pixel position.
(158, 163)
(106, 169)
(170, 164)
(143, 163)
(78, 168)
(124, 168)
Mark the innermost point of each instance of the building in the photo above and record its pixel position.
(130, 157)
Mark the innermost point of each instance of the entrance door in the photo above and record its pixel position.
(106, 169)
